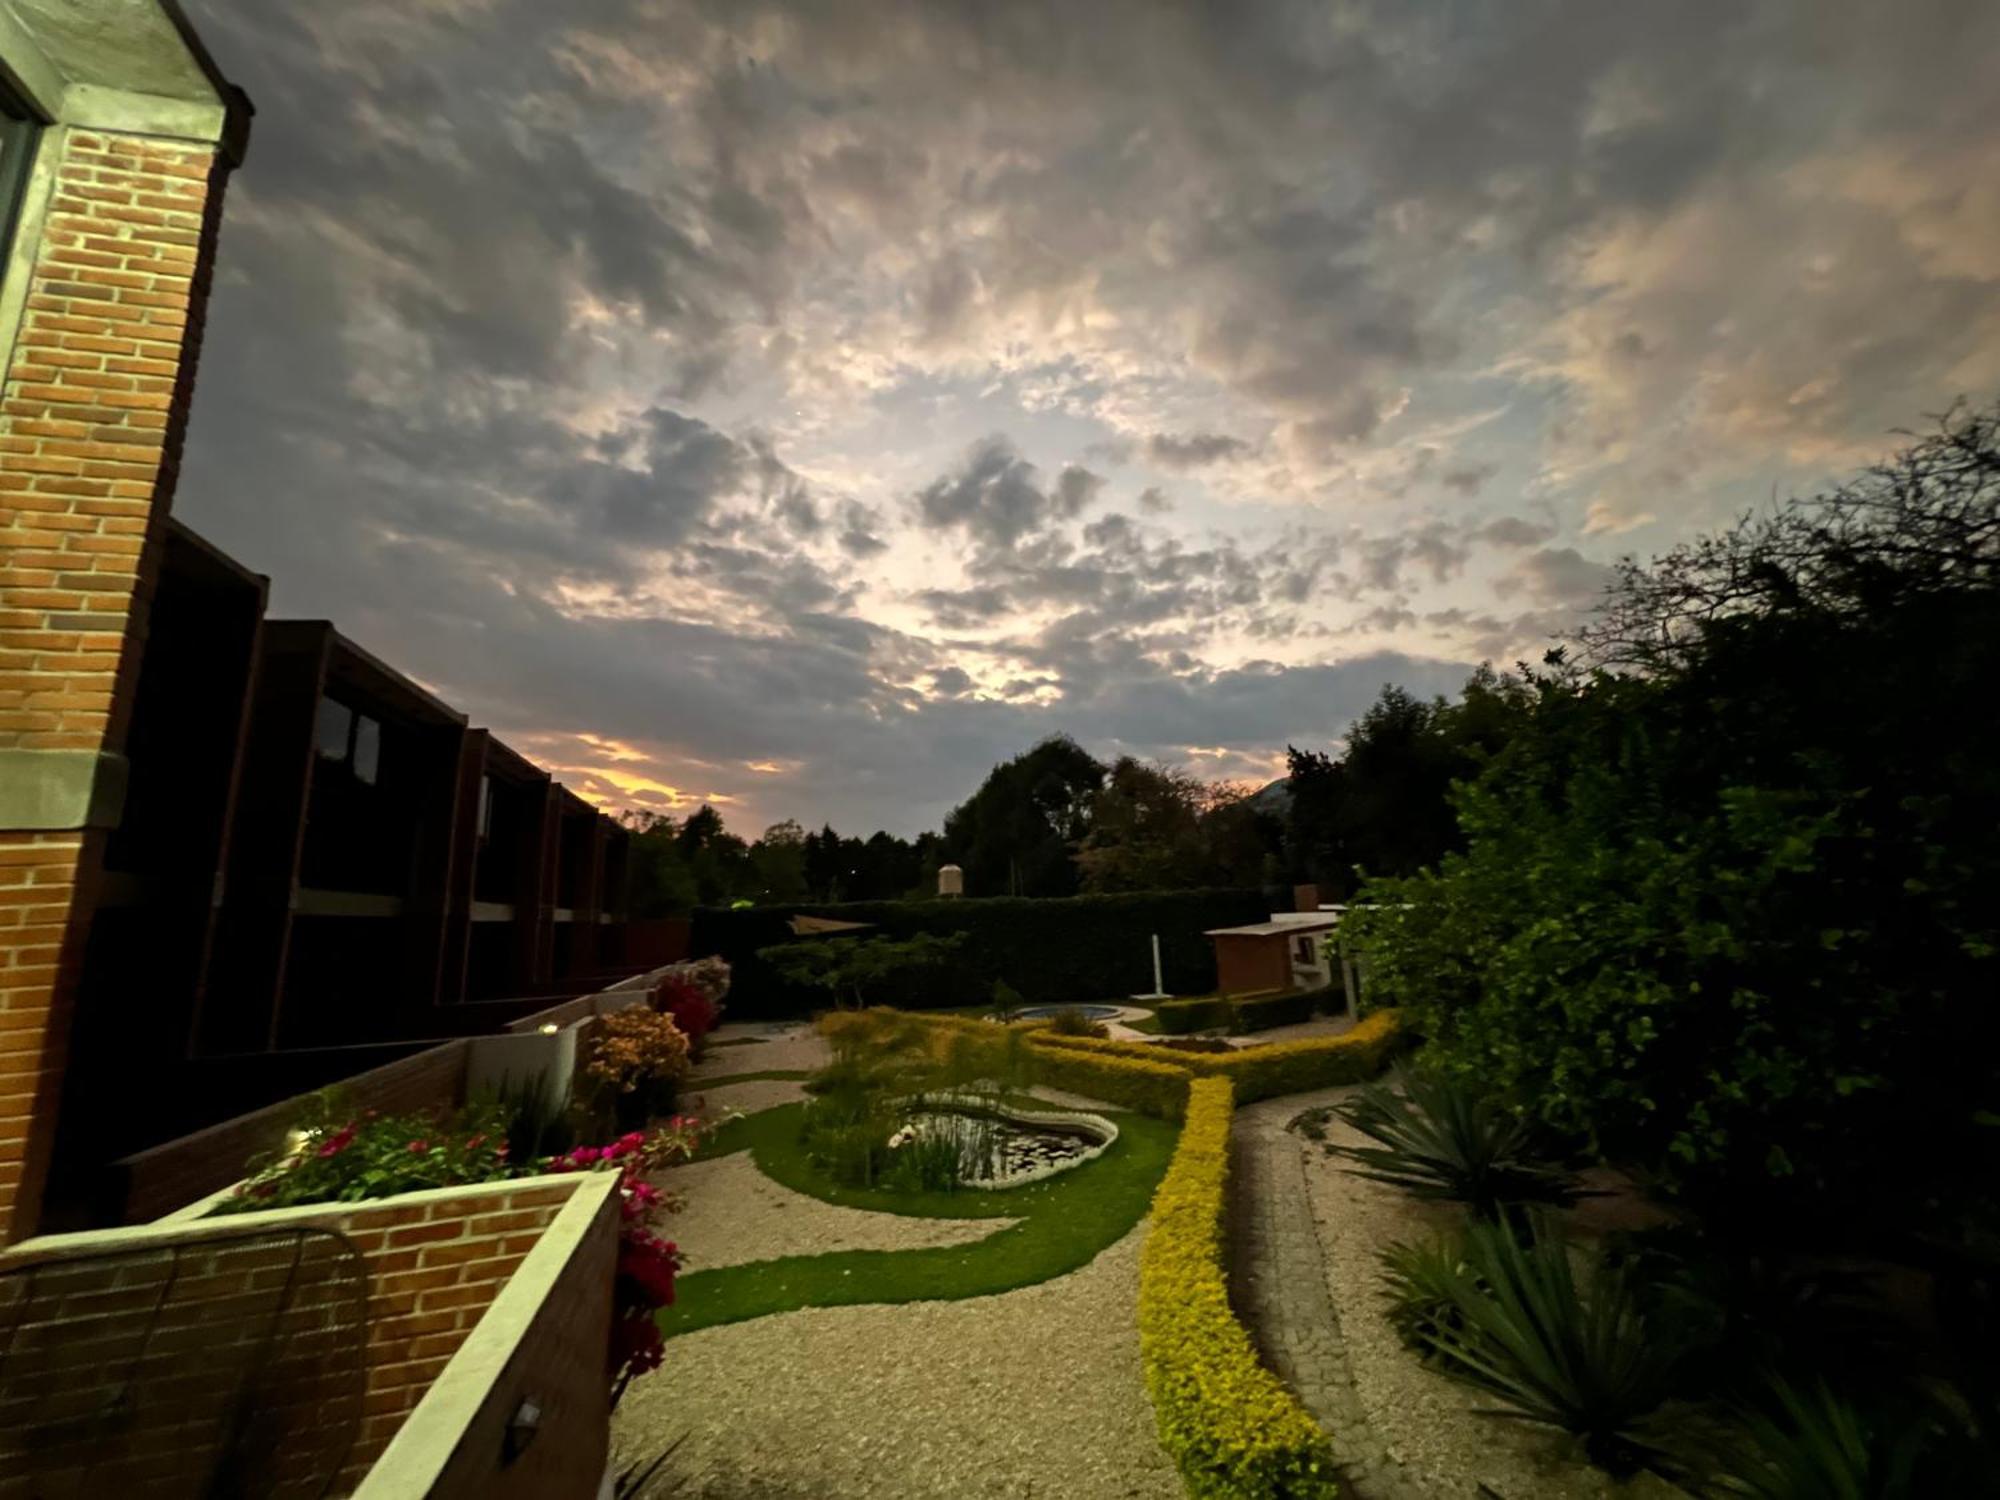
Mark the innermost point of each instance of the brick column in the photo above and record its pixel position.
(95, 406)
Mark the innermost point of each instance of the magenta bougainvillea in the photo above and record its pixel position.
(647, 1263)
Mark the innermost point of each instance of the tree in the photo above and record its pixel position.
(877, 971)
(1725, 905)
(778, 862)
(1014, 836)
(1155, 828)
(1384, 806)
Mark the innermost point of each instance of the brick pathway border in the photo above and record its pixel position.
(1278, 1282)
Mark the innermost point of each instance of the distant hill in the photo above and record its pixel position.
(1275, 799)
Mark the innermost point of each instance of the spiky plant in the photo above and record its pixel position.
(1440, 1137)
(1420, 1279)
(1811, 1443)
(1559, 1349)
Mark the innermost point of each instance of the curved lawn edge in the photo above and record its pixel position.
(1065, 1222)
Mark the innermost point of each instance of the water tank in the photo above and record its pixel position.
(951, 881)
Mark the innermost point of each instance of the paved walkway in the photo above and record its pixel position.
(1280, 1290)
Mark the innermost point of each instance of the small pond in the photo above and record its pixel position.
(999, 1149)
(1089, 1012)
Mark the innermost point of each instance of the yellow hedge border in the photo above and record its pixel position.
(1264, 1070)
(1229, 1424)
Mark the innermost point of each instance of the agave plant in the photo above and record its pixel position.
(1563, 1350)
(1421, 1280)
(1439, 1137)
(1813, 1444)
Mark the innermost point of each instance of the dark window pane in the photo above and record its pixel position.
(485, 807)
(336, 724)
(367, 749)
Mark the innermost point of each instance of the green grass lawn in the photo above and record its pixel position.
(1065, 1222)
(695, 1085)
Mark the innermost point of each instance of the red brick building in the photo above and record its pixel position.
(119, 138)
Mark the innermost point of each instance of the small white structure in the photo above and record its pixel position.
(1159, 989)
(951, 880)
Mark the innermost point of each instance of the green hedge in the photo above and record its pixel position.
(1151, 1088)
(1232, 1428)
(1053, 951)
(1178, 1017)
(1270, 1069)
(1262, 1012)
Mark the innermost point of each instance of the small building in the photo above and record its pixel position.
(1286, 953)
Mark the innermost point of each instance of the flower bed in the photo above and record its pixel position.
(1229, 1424)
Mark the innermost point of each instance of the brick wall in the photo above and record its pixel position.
(433, 1268)
(433, 1264)
(92, 415)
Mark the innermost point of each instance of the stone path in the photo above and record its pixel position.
(1280, 1289)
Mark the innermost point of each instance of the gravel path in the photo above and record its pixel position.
(779, 1046)
(1033, 1394)
(759, 1093)
(1421, 1434)
(734, 1214)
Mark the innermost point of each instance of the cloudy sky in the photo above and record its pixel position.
(804, 405)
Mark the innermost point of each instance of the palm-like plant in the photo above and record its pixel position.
(1421, 1279)
(1576, 1353)
(1813, 1444)
(1439, 1137)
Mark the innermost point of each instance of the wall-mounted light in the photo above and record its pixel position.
(549, 1028)
(521, 1430)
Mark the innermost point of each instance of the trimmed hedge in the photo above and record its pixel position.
(1177, 1017)
(1144, 1085)
(1229, 1424)
(1263, 1072)
(1053, 950)
(1262, 1012)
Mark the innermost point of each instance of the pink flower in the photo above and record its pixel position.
(336, 1143)
(419, 1146)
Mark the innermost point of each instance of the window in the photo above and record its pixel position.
(345, 737)
(18, 132)
(335, 731)
(485, 808)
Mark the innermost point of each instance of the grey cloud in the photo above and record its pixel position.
(1513, 531)
(1557, 575)
(1195, 450)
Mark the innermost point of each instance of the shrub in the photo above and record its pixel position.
(345, 1160)
(637, 1060)
(689, 1007)
(1261, 1012)
(1577, 1354)
(1230, 1426)
(1212, 1045)
(1443, 1137)
(1177, 1017)
(1069, 1021)
(1147, 1086)
(647, 1264)
(1054, 951)
(1801, 1444)
(1264, 1072)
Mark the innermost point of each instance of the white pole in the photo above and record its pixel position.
(1158, 988)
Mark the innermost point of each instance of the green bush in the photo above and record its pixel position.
(1054, 951)
(1148, 1087)
(1070, 1021)
(1178, 1017)
(1262, 1012)
(1802, 1444)
(1230, 1426)
(1264, 1072)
